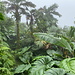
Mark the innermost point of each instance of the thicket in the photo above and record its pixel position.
(37, 47)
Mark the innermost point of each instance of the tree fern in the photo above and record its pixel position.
(6, 58)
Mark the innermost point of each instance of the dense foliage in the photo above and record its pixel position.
(38, 46)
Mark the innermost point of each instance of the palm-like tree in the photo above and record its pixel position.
(31, 18)
(18, 7)
(49, 14)
(46, 17)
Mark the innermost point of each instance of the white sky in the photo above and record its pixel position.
(66, 9)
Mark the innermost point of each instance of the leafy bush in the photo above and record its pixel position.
(68, 64)
(41, 65)
(62, 42)
(6, 58)
(58, 55)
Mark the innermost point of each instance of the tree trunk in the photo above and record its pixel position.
(18, 35)
(17, 16)
(31, 26)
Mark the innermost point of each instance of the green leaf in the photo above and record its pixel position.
(68, 64)
(9, 62)
(1, 16)
(4, 71)
(24, 50)
(0, 63)
(55, 71)
(25, 58)
(37, 70)
(22, 68)
(43, 61)
(55, 54)
(54, 40)
(4, 48)
(4, 57)
(63, 43)
(38, 57)
(40, 65)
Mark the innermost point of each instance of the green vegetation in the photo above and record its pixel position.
(38, 46)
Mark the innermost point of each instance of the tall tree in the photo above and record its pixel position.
(45, 17)
(31, 18)
(18, 7)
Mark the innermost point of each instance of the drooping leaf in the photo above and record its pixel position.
(54, 53)
(54, 40)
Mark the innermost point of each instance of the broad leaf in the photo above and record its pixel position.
(55, 71)
(55, 54)
(68, 64)
(25, 58)
(40, 65)
(45, 61)
(37, 70)
(54, 40)
(38, 57)
(24, 50)
(22, 68)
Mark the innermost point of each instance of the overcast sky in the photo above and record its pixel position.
(66, 9)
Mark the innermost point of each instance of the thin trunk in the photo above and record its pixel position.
(26, 20)
(31, 26)
(18, 35)
(17, 16)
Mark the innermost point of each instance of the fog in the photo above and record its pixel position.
(66, 9)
